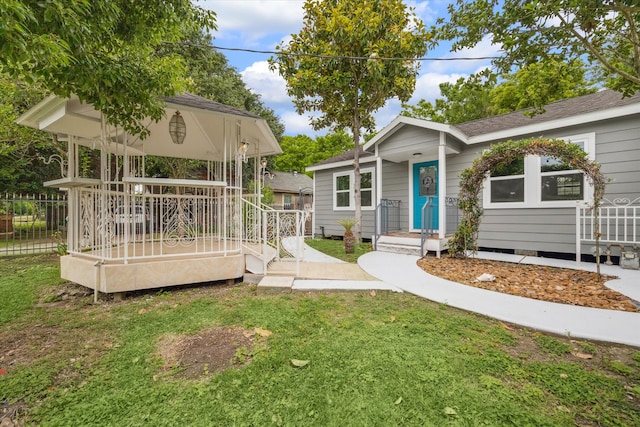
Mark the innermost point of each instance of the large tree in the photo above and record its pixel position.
(105, 51)
(21, 171)
(462, 101)
(348, 59)
(211, 76)
(301, 151)
(527, 31)
(484, 94)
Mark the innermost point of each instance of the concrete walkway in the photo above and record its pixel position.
(398, 273)
(580, 322)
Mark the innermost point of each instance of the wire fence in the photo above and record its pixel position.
(33, 224)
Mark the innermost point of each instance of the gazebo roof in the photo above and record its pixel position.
(209, 125)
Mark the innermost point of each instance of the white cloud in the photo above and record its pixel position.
(297, 124)
(252, 20)
(268, 84)
(483, 49)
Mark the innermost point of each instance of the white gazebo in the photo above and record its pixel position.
(129, 231)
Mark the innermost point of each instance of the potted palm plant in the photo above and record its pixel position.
(348, 239)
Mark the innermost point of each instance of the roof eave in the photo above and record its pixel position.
(594, 116)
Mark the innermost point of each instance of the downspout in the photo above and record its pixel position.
(442, 188)
(378, 198)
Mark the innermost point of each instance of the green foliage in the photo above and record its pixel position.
(296, 153)
(463, 101)
(268, 198)
(620, 368)
(103, 50)
(532, 31)
(347, 223)
(484, 95)
(335, 65)
(538, 84)
(301, 151)
(500, 156)
(210, 75)
(21, 170)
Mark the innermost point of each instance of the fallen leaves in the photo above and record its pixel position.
(585, 356)
(561, 285)
(299, 363)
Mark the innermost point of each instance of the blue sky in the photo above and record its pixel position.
(263, 24)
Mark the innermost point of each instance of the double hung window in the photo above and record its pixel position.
(539, 181)
(343, 190)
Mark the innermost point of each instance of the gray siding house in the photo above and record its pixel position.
(532, 208)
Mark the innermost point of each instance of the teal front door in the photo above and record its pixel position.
(425, 185)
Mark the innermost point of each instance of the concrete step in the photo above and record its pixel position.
(400, 240)
(399, 248)
(275, 285)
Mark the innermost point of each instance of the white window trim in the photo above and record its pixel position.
(351, 206)
(533, 176)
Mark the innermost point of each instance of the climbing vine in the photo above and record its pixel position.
(501, 155)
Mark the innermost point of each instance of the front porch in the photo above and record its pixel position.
(436, 222)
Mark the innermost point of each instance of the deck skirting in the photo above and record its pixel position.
(149, 274)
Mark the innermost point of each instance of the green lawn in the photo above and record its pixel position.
(382, 359)
(335, 248)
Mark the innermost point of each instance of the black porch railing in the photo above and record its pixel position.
(430, 211)
(386, 218)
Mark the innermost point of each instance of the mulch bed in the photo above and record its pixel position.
(561, 285)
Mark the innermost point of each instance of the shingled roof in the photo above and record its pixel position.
(288, 182)
(191, 100)
(347, 155)
(598, 101)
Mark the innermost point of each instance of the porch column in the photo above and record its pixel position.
(442, 188)
(378, 200)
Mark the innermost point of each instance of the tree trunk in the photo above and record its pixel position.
(349, 242)
(356, 175)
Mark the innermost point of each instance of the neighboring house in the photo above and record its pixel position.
(291, 190)
(531, 208)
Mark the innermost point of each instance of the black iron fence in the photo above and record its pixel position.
(32, 224)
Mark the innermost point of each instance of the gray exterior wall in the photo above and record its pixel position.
(325, 215)
(554, 229)
(540, 229)
(413, 139)
(395, 186)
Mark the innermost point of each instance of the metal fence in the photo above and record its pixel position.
(33, 224)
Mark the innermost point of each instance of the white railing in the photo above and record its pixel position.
(618, 220)
(178, 220)
(275, 234)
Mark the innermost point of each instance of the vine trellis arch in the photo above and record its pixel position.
(502, 154)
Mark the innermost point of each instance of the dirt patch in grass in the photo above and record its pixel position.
(210, 351)
(561, 285)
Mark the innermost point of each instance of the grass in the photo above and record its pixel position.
(335, 248)
(388, 359)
